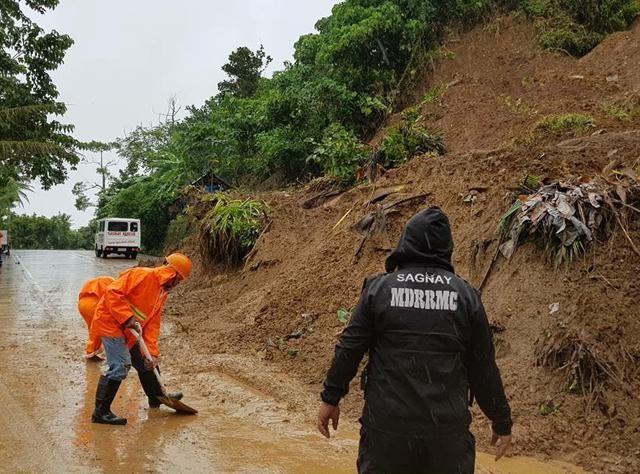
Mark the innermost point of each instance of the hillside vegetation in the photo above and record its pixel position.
(317, 115)
(516, 120)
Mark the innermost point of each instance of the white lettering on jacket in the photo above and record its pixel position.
(432, 278)
(441, 300)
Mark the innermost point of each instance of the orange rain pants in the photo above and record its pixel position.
(88, 299)
(137, 292)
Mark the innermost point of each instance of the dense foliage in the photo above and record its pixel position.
(314, 117)
(33, 145)
(39, 232)
(577, 26)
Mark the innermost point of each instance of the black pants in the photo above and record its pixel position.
(148, 380)
(390, 454)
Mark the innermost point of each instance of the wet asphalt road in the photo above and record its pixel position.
(47, 394)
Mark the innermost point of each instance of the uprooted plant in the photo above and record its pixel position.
(230, 229)
(588, 370)
(566, 216)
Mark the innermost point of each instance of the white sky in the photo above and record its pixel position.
(131, 56)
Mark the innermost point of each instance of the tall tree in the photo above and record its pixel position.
(245, 67)
(33, 145)
(103, 169)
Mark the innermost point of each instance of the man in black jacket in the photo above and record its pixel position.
(429, 347)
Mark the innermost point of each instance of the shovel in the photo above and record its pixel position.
(177, 405)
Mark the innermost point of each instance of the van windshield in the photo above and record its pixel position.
(118, 226)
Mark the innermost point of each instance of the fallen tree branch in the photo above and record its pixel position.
(626, 234)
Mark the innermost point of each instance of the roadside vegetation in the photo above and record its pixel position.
(40, 232)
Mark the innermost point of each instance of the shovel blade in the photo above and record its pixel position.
(178, 406)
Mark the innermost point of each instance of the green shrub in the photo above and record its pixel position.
(230, 229)
(339, 154)
(409, 140)
(179, 229)
(563, 124)
(577, 26)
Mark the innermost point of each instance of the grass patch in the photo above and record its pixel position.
(574, 124)
(230, 229)
(624, 111)
(433, 94)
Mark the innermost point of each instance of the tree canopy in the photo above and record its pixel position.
(33, 144)
(39, 232)
(315, 116)
(244, 69)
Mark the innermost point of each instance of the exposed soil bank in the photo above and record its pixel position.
(277, 316)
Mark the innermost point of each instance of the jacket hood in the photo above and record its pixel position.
(426, 240)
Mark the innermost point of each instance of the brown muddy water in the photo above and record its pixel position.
(47, 394)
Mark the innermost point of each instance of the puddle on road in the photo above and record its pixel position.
(47, 392)
(212, 441)
(485, 464)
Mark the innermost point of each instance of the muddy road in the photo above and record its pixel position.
(47, 394)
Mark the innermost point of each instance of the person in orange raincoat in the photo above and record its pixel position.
(88, 300)
(135, 300)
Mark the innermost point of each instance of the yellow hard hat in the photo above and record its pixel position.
(180, 263)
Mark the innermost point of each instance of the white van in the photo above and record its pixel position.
(119, 236)
(4, 243)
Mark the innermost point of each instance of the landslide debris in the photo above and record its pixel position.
(280, 310)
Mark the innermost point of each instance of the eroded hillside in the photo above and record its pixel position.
(273, 323)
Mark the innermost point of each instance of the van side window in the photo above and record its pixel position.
(133, 227)
(118, 226)
(101, 226)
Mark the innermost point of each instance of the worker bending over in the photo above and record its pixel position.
(88, 300)
(430, 352)
(135, 300)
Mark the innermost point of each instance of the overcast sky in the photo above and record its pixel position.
(131, 56)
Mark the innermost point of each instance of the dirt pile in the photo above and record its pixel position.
(274, 322)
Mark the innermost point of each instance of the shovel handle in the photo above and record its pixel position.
(147, 355)
(141, 343)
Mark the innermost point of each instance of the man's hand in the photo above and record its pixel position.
(502, 442)
(151, 364)
(132, 323)
(325, 413)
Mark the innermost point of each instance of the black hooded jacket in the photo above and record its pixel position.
(428, 340)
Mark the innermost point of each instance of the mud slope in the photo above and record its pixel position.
(499, 85)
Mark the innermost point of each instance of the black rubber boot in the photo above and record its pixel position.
(107, 390)
(152, 388)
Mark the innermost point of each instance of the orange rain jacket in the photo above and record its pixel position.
(88, 299)
(137, 292)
